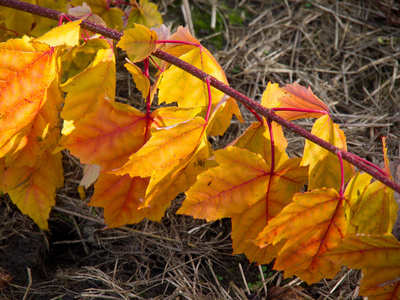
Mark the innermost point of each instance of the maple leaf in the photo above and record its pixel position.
(166, 147)
(378, 258)
(139, 42)
(145, 13)
(313, 224)
(324, 166)
(111, 15)
(141, 81)
(33, 189)
(376, 207)
(108, 135)
(85, 89)
(42, 133)
(26, 72)
(247, 192)
(67, 34)
(293, 96)
(121, 197)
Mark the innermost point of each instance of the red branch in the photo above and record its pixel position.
(116, 35)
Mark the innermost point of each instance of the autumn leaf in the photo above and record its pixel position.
(166, 147)
(182, 34)
(141, 81)
(111, 15)
(108, 135)
(188, 91)
(242, 187)
(169, 116)
(121, 196)
(26, 72)
(139, 42)
(67, 34)
(42, 133)
(87, 88)
(33, 189)
(145, 13)
(312, 225)
(324, 167)
(85, 12)
(294, 96)
(378, 258)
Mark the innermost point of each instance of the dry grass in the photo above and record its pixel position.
(349, 56)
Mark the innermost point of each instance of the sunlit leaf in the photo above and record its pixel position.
(67, 34)
(141, 81)
(139, 42)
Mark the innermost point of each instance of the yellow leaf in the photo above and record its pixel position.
(67, 34)
(188, 91)
(378, 258)
(165, 149)
(146, 14)
(324, 167)
(139, 42)
(33, 189)
(312, 225)
(94, 83)
(169, 116)
(141, 81)
(26, 72)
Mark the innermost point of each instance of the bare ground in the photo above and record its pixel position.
(347, 51)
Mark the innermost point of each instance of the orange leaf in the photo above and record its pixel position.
(85, 89)
(312, 225)
(247, 193)
(33, 189)
(378, 257)
(121, 197)
(108, 135)
(293, 96)
(166, 147)
(139, 42)
(26, 72)
(41, 134)
(324, 167)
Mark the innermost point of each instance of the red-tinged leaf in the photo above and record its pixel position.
(181, 34)
(108, 135)
(296, 97)
(145, 13)
(26, 72)
(41, 134)
(165, 149)
(67, 34)
(378, 258)
(111, 15)
(121, 196)
(33, 189)
(324, 167)
(353, 193)
(139, 42)
(141, 81)
(188, 91)
(312, 225)
(85, 89)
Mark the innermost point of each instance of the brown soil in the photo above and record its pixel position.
(346, 51)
